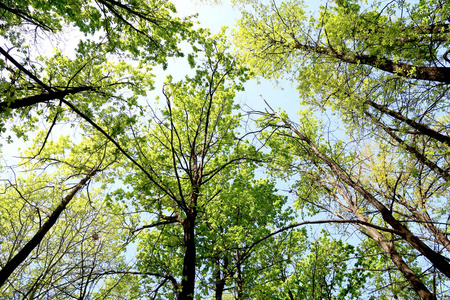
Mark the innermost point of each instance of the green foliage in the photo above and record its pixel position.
(70, 260)
(327, 271)
(115, 47)
(196, 166)
(374, 65)
(180, 183)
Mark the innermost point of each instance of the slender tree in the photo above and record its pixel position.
(57, 235)
(187, 155)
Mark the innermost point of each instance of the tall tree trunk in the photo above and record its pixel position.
(188, 280)
(414, 280)
(220, 278)
(397, 259)
(434, 73)
(239, 276)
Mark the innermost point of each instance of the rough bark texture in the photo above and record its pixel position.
(220, 279)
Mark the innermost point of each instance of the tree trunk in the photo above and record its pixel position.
(397, 259)
(188, 280)
(434, 73)
(220, 279)
(239, 276)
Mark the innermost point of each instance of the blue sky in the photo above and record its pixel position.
(214, 17)
(282, 95)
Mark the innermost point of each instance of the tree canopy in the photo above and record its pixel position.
(121, 192)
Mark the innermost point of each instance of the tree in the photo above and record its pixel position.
(383, 68)
(57, 243)
(194, 182)
(61, 88)
(197, 153)
(119, 44)
(326, 272)
(180, 177)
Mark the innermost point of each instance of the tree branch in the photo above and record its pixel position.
(439, 74)
(416, 125)
(41, 98)
(171, 221)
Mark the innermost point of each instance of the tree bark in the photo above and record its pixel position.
(240, 291)
(188, 280)
(42, 98)
(220, 278)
